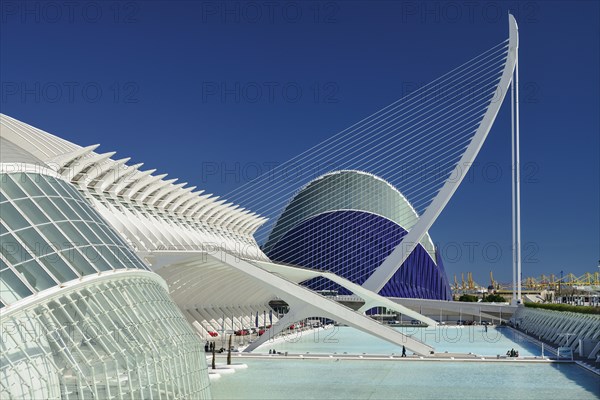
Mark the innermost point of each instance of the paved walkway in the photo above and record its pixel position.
(446, 357)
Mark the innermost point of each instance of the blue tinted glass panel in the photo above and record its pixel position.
(12, 217)
(58, 268)
(64, 208)
(49, 208)
(25, 181)
(45, 186)
(3, 228)
(353, 244)
(78, 262)
(72, 234)
(12, 250)
(34, 242)
(32, 211)
(10, 188)
(87, 233)
(35, 275)
(94, 256)
(11, 287)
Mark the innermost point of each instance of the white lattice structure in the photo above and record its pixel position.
(561, 328)
(81, 316)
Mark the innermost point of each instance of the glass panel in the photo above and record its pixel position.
(31, 211)
(80, 264)
(11, 287)
(87, 233)
(115, 238)
(50, 209)
(34, 241)
(79, 210)
(62, 188)
(35, 275)
(58, 267)
(100, 232)
(46, 187)
(135, 259)
(73, 235)
(53, 236)
(12, 217)
(59, 186)
(124, 260)
(73, 191)
(109, 256)
(94, 214)
(3, 229)
(2, 198)
(64, 208)
(10, 188)
(12, 250)
(95, 257)
(27, 183)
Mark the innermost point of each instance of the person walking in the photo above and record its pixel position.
(403, 351)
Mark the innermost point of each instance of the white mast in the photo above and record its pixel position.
(516, 183)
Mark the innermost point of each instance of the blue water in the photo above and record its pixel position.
(360, 379)
(285, 378)
(452, 339)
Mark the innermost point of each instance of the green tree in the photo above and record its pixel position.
(468, 298)
(494, 298)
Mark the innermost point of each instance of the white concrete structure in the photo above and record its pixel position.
(566, 329)
(452, 311)
(202, 247)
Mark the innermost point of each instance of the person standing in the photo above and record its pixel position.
(403, 351)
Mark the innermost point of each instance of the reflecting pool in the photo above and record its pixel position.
(283, 377)
(361, 379)
(446, 338)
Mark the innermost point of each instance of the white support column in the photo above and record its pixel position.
(513, 191)
(518, 178)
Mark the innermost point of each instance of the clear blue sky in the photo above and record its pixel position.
(146, 79)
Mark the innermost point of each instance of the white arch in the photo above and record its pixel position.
(392, 263)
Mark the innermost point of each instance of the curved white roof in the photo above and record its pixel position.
(152, 211)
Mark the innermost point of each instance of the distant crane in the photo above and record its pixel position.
(493, 283)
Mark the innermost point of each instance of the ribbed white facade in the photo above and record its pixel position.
(81, 315)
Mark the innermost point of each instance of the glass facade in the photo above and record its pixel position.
(110, 340)
(348, 223)
(50, 235)
(117, 334)
(352, 244)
